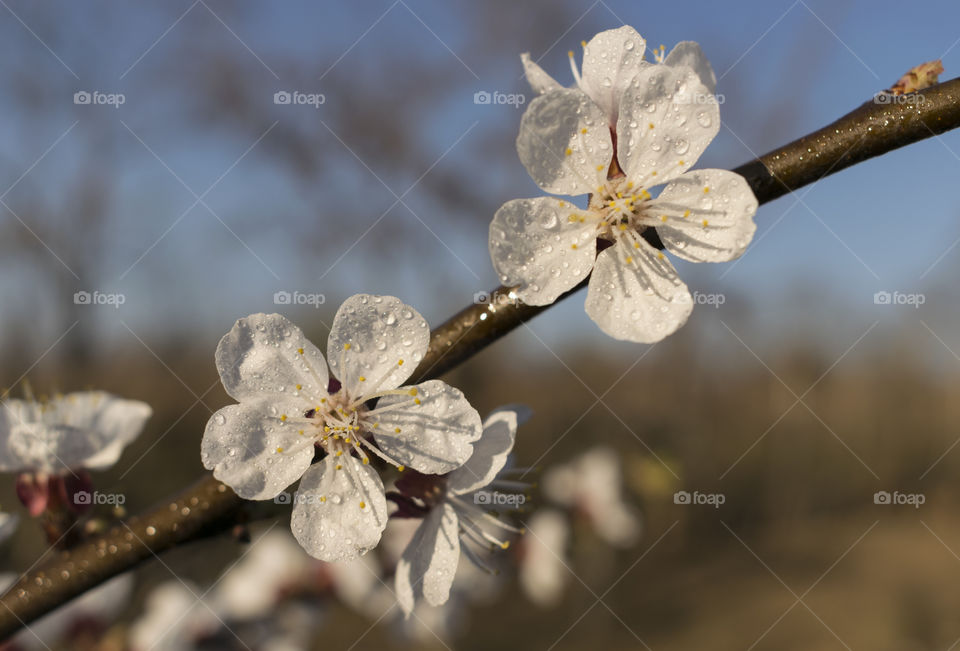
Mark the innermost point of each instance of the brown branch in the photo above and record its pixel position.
(209, 507)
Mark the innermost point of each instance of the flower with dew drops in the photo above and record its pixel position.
(451, 508)
(610, 62)
(51, 443)
(292, 405)
(544, 247)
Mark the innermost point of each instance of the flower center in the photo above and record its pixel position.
(341, 424)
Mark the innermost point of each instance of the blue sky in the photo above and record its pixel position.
(784, 68)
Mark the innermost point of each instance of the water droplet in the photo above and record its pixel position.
(681, 146)
(704, 119)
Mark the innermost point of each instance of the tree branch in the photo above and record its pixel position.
(209, 507)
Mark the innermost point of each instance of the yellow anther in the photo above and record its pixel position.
(629, 184)
(600, 168)
(629, 260)
(622, 227)
(326, 428)
(573, 246)
(570, 53)
(376, 425)
(401, 468)
(397, 430)
(650, 126)
(322, 499)
(562, 204)
(619, 195)
(300, 351)
(322, 400)
(299, 386)
(686, 213)
(661, 256)
(399, 362)
(706, 189)
(705, 222)
(416, 400)
(636, 245)
(366, 461)
(583, 130)
(583, 44)
(505, 544)
(569, 152)
(413, 391)
(300, 432)
(363, 379)
(339, 467)
(279, 450)
(680, 162)
(653, 173)
(346, 346)
(663, 218)
(363, 505)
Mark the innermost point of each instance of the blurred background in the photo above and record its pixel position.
(134, 234)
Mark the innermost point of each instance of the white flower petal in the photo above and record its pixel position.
(339, 514)
(240, 446)
(380, 331)
(610, 61)
(489, 453)
(260, 357)
(643, 301)
(689, 54)
(543, 570)
(564, 142)
(45, 448)
(534, 244)
(667, 119)
(80, 430)
(8, 525)
(538, 79)
(434, 436)
(117, 422)
(429, 562)
(720, 224)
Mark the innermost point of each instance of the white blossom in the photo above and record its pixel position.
(665, 116)
(289, 408)
(591, 486)
(79, 430)
(428, 564)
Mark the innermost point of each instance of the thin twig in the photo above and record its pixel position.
(209, 507)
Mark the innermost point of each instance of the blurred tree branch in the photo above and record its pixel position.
(209, 507)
